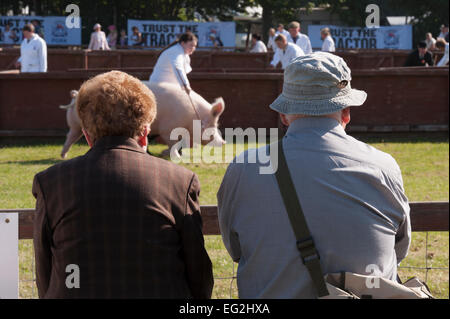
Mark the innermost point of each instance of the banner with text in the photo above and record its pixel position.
(384, 37)
(52, 29)
(162, 33)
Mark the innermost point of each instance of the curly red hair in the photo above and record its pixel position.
(115, 104)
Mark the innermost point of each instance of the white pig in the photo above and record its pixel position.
(178, 110)
(73, 121)
(174, 110)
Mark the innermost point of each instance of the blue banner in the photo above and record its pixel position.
(384, 37)
(52, 29)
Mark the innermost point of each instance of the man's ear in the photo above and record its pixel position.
(284, 119)
(88, 139)
(345, 116)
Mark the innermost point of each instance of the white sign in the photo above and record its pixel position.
(9, 256)
(162, 33)
(52, 29)
(385, 37)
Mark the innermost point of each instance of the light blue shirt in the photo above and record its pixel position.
(354, 203)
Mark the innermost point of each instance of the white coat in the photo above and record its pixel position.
(328, 44)
(172, 66)
(259, 47)
(302, 41)
(287, 55)
(33, 55)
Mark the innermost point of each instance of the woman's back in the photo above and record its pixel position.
(169, 62)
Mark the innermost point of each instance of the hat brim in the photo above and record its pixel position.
(285, 105)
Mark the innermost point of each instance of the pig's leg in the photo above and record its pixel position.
(73, 136)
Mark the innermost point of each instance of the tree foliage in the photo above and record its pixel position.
(429, 14)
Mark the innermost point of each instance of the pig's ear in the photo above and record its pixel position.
(217, 107)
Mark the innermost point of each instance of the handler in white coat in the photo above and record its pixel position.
(286, 52)
(174, 62)
(33, 51)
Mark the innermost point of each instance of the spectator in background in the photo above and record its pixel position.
(112, 36)
(286, 52)
(281, 30)
(136, 37)
(217, 43)
(271, 42)
(257, 45)
(38, 28)
(98, 39)
(9, 36)
(107, 212)
(300, 39)
(441, 45)
(33, 51)
(444, 32)
(420, 56)
(123, 38)
(430, 41)
(328, 42)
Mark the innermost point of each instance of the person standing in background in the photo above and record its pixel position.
(444, 32)
(98, 39)
(300, 39)
(123, 38)
(328, 42)
(442, 45)
(281, 30)
(430, 41)
(420, 57)
(112, 37)
(136, 37)
(9, 36)
(271, 42)
(285, 53)
(257, 45)
(33, 51)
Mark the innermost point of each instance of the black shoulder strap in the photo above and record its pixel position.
(305, 243)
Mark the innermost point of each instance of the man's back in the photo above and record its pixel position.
(352, 197)
(128, 220)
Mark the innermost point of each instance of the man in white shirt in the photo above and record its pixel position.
(257, 45)
(281, 30)
(33, 51)
(300, 39)
(286, 52)
(271, 42)
(442, 45)
(8, 35)
(444, 32)
(328, 42)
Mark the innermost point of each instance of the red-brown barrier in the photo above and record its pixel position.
(399, 99)
(64, 59)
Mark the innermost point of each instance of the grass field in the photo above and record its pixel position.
(422, 158)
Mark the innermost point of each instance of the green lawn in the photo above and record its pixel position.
(422, 158)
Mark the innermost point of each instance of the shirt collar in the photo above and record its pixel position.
(321, 123)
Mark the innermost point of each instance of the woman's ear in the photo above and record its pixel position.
(142, 138)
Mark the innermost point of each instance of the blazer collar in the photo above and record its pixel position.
(120, 142)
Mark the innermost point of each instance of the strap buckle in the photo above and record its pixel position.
(307, 249)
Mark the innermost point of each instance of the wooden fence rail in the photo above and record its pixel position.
(425, 216)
